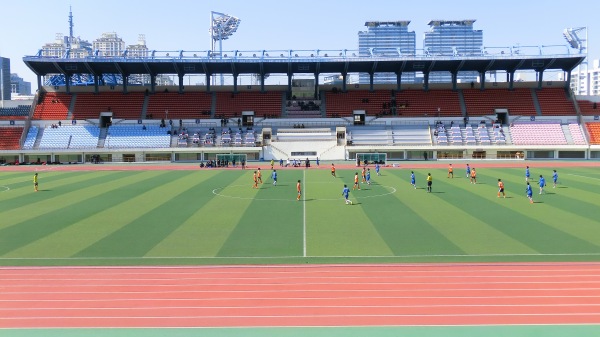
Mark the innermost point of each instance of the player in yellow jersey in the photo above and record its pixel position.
(429, 182)
(35, 182)
(299, 189)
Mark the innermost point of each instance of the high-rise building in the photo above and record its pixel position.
(387, 38)
(452, 38)
(110, 44)
(18, 86)
(4, 79)
(586, 81)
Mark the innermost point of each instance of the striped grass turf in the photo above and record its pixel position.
(215, 217)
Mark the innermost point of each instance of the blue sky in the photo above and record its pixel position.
(282, 25)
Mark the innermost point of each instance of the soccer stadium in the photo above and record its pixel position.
(131, 208)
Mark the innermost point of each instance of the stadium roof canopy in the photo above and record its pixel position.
(315, 63)
(290, 62)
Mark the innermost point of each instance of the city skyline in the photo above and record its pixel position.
(271, 25)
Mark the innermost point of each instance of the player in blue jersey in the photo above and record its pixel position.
(274, 177)
(345, 193)
(554, 178)
(527, 174)
(368, 176)
(529, 193)
(412, 179)
(377, 169)
(468, 171)
(542, 183)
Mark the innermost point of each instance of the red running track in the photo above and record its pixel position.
(303, 295)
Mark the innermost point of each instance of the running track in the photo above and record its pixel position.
(302, 295)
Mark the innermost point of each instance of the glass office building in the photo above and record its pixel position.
(386, 38)
(452, 38)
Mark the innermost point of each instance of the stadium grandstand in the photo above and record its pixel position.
(120, 122)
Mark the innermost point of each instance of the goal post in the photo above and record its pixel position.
(372, 158)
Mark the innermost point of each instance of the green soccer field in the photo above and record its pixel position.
(216, 217)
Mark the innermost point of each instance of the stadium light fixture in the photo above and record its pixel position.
(222, 26)
(574, 40)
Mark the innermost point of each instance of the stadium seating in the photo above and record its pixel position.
(31, 138)
(16, 113)
(418, 103)
(70, 137)
(369, 136)
(10, 137)
(589, 108)
(594, 131)
(537, 134)
(554, 102)
(229, 105)
(411, 135)
(484, 102)
(577, 134)
(53, 105)
(133, 136)
(126, 106)
(190, 105)
(342, 104)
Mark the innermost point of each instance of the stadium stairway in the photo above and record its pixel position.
(145, 106)
(102, 137)
(567, 132)
(536, 102)
(72, 106)
(38, 139)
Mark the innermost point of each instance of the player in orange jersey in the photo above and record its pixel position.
(473, 176)
(364, 175)
(259, 176)
(501, 188)
(356, 185)
(255, 177)
(450, 171)
(333, 170)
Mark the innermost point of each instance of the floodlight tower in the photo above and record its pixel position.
(573, 37)
(222, 26)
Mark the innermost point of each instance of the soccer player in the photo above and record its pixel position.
(364, 175)
(368, 176)
(333, 170)
(345, 193)
(35, 182)
(412, 179)
(529, 193)
(468, 171)
(473, 176)
(299, 189)
(255, 180)
(317, 162)
(554, 178)
(274, 176)
(542, 183)
(356, 185)
(501, 188)
(450, 171)
(272, 163)
(259, 175)
(527, 174)
(429, 182)
(377, 169)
